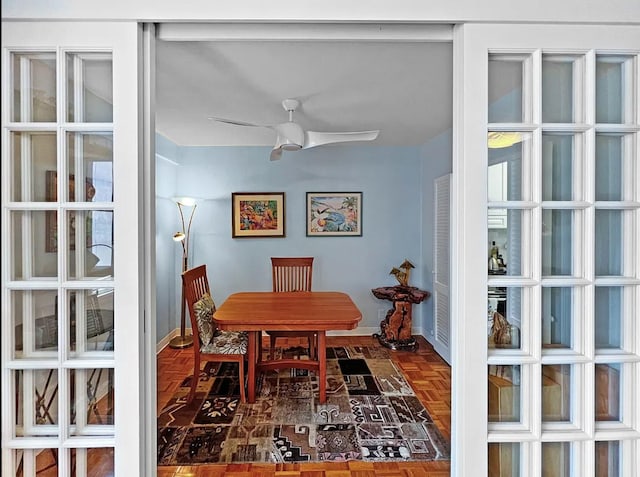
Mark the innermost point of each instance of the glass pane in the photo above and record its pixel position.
(505, 242)
(34, 87)
(507, 175)
(556, 459)
(556, 393)
(608, 391)
(504, 393)
(497, 264)
(36, 402)
(93, 462)
(34, 155)
(35, 462)
(505, 90)
(608, 243)
(608, 317)
(607, 459)
(93, 331)
(504, 459)
(557, 89)
(33, 237)
(557, 312)
(94, 229)
(90, 155)
(609, 166)
(557, 242)
(613, 90)
(557, 166)
(35, 321)
(505, 307)
(89, 87)
(92, 399)
(98, 462)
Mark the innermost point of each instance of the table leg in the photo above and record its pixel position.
(251, 374)
(322, 364)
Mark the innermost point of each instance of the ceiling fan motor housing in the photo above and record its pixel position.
(290, 136)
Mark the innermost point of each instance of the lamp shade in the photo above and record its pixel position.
(179, 236)
(185, 201)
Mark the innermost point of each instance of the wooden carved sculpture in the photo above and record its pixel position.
(395, 329)
(397, 324)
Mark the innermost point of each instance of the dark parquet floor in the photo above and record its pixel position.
(428, 374)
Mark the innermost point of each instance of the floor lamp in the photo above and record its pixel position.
(183, 341)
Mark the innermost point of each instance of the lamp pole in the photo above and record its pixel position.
(183, 341)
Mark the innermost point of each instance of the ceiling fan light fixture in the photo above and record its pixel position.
(290, 146)
(500, 139)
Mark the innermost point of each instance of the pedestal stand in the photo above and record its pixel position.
(396, 327)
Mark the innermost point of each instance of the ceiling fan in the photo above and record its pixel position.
(291, 136)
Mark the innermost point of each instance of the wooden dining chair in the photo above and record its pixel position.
(292, 274)
(209, 343)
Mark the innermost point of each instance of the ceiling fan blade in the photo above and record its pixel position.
(237, 123)
(314, 138)
(276, 153)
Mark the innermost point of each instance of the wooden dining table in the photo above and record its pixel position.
(255, 312)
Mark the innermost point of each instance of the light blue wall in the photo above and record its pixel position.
(167, 254)
(390, 179)
(436, 159)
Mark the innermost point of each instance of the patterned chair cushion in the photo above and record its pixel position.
(204, 309)
(227, 342)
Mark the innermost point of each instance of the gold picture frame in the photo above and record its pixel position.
(257, 214)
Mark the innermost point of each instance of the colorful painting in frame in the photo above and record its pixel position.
(257, 214)
(334, 214)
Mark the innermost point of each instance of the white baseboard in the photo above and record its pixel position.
(360, 331)
(367, 330)
(164, 342)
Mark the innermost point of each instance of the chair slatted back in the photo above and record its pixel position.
(291, 273)
(195, 284)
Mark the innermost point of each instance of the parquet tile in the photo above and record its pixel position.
(428, 374)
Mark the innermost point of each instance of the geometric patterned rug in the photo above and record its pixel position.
(371, 414)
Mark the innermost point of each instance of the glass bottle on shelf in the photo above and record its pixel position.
(494, 264)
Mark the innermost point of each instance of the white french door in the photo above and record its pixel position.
(549, 302)
(71, 273)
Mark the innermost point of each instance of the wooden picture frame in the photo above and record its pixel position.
(334, 214)
(257, 214)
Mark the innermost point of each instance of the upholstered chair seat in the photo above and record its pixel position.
(227, 342)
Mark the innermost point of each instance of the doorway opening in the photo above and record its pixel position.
(403, 89)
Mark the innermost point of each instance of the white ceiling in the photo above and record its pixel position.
(402, 88)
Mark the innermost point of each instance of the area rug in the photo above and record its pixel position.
(371, 414)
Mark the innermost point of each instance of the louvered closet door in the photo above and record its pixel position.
(442, 263)
(70, 294)
(561, 138)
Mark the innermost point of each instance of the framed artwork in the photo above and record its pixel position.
(334, 214)
(51, 218)
(257, 214)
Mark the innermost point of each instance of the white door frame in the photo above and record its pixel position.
(149, 193)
